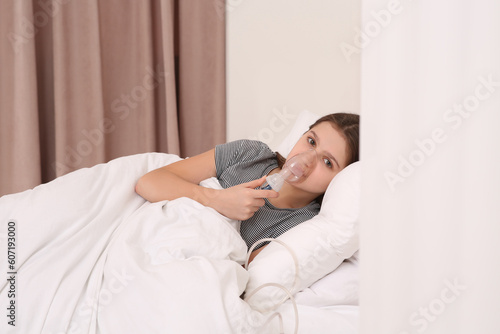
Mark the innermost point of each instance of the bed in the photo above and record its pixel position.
(85, 254)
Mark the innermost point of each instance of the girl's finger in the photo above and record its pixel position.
(255, 183)
(266, 193)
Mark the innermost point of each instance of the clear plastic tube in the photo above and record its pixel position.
(296, 169)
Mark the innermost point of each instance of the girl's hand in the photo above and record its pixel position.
(242, 201)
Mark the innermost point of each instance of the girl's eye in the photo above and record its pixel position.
(311, 141)
(327, 163)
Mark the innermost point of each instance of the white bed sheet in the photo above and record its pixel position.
(94, 257)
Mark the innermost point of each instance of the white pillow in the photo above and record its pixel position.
(320, 244)
(340, 287)
(301, 125)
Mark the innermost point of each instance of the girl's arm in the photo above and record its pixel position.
(181, 179)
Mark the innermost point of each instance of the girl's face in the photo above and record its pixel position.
(331, 152)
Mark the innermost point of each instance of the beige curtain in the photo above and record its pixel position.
(84, 82)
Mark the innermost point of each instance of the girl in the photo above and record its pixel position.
(242, 166)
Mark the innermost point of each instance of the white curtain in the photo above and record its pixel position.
(430, 146)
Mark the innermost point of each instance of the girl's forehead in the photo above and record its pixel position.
(327, 131)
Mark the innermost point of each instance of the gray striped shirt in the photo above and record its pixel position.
(246, 160)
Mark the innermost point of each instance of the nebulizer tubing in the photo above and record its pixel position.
(295, 309)
(295, 169)
(288, 293)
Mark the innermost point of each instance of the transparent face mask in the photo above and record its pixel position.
(295, 170)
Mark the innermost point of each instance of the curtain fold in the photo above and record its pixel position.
(18, 99)
(164, 33)
(195, 46)
(84, 82)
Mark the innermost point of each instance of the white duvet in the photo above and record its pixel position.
(91, 256)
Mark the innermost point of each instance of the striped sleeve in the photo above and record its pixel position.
(237, 152)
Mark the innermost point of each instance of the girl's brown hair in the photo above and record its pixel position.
(348, 126)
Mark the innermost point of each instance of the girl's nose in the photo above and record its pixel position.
(310, 158)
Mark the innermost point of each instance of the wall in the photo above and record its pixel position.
(284, 56)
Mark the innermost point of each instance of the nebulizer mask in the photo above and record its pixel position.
(295, 170)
